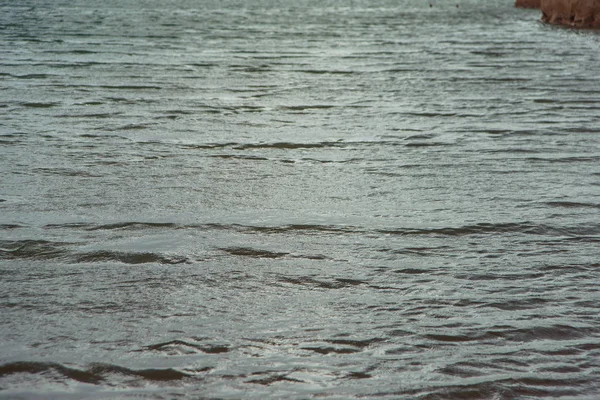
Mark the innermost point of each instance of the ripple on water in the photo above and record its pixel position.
(366, 199)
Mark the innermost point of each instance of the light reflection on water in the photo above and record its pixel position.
(274, 199)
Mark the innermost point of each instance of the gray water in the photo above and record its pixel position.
(297, 199)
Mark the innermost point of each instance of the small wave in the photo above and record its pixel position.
(313, 145)
(565, 160)
(127, 257)
(130, 127)
(207, 146)
(422, 136)
(39, 104)
(131, 226)
(412, 271)
(571, 204)
(100, 136)
(43, 367)
(138, 226)
(413, 251)
(32, 76)
(130, 87)
(358, 375)
(9, 226)
(255, 253)
(509, 388)
(489, 228)
(325, 72)
(364, 343)
(273, 379)
(331, 350)
(307, 107)
(308, 228)
(572, 267)
(465, 370)
(64, 172)
(493, 277)
(204, 65)
(425, 144)
(95, 374)
(311, 256)
(91, 116)
(185, 347)
(237, 157)
(236, 109)
(459, 338)
(32, 249)
(74, 51)
(286, 145)
(432, 114)
(76, 225)
(335, 283)
(47, 250)
(577, 232)
(524, 386)
(250, 68)
(552, 332)
(583, 129)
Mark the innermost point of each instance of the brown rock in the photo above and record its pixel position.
(528, 3)
(575, 13)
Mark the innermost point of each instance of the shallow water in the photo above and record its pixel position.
(276, 199)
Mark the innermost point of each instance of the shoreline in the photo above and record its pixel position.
(528, 3)
(573, 13)
(583, 14)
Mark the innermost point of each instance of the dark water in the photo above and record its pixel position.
(297, 199)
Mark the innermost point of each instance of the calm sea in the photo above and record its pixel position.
(300, 199)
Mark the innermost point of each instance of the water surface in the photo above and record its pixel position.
(276, 199)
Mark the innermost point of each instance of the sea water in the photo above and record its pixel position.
(295, 199)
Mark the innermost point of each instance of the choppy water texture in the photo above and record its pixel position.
(296, 199)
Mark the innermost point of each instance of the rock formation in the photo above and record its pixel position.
(575, 13)
(528, 3)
